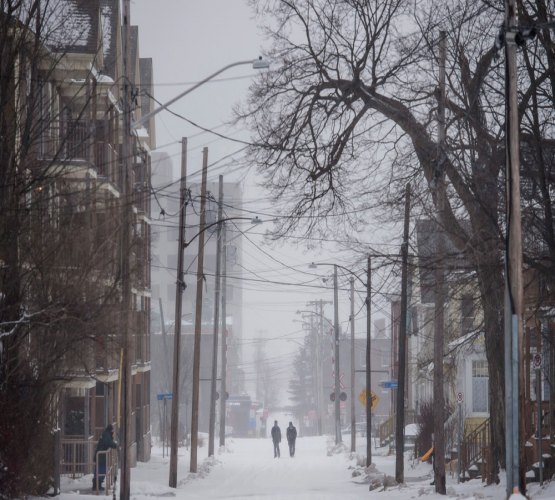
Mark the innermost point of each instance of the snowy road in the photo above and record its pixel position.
(248, 470)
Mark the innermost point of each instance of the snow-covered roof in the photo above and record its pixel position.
(72, 26)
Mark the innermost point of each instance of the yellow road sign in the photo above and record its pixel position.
(362, 397)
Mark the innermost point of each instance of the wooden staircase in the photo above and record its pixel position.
(475, 459)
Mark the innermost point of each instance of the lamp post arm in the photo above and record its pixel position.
(146, 117)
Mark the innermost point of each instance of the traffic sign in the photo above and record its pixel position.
(342, 396)
(389, 384)
(364, 394)
(537, 361)
(164, 395)
(459, 397)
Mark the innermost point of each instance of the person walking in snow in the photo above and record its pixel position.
(105, 442)
(291, 437)
(276, 438)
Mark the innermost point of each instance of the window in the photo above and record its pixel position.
(480, 386)
(467, 314)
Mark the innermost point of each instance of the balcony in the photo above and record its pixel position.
(75, 139)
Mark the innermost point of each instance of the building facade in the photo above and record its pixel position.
(64, 246)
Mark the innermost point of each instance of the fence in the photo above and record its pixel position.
(77, 457)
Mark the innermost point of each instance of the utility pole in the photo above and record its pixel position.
(198, 316)
(212, 424)
(368, 360)
(223, 374)
(317, 372)
(400, 417)
(353, 416)
(439, 320)
(314, 363)
(165, 345)
(320, 378)
(336, 356)
(319, 332)
(126, 200)
(179, 289)
(514, 369)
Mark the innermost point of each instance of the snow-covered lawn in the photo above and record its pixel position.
(247, 470)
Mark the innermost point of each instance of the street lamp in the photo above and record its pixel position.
(259, 63)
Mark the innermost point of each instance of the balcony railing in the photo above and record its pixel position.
(77, 456)
(74, 140)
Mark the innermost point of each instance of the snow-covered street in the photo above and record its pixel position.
(247, 470)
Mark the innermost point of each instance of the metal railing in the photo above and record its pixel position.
(111, 460)
(77, 457)
(74, 140)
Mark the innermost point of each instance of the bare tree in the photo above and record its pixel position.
(349, 115)
(59, 251)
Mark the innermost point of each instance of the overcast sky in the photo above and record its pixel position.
(189, 40)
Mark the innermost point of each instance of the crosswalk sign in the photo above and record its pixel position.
(362, 397)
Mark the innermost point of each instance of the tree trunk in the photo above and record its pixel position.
(491, 289)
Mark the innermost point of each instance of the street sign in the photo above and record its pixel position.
(537, 361)
(389, 384)
(164, 395)
(364, 394)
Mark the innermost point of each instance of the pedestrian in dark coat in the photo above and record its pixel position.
(276, 438)
(291, 437)
(105, 442)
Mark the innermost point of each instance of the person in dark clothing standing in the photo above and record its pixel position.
(276, 438)
(291, 437)
(105, 442)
